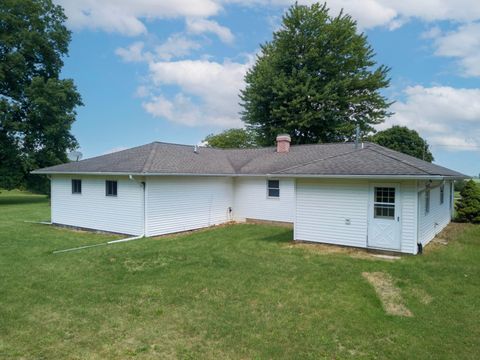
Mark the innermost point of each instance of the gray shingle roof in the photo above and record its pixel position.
(320, 159)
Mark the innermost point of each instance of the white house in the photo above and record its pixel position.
(360, 195)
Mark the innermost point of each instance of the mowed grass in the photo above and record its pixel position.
(238, 292)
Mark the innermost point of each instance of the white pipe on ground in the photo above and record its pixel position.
(112, 242)
(39, 222)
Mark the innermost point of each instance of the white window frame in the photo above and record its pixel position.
(442, 194)
(385, 204)
(77, 192)
(106, 188)
(273, 188)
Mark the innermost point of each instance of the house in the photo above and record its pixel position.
(361, 195)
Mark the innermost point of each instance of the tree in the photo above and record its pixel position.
(468, 207)
(232, 139)
(37, 108)
(405, 140)
(316, 80)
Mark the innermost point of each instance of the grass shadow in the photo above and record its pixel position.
(22, 200)
(284, 236)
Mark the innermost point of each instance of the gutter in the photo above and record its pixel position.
(274, 175)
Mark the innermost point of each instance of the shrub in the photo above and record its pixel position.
(459, 185)
(468, 208)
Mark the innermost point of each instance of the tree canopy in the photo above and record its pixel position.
(316, 80)
(37, 108)
(232, 139)
(405, 140)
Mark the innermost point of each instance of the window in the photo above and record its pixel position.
(427, 201)
(384, 203)
(76, 186)
(110, 188)
(273, 188)
(442, 194)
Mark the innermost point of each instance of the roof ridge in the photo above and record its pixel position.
(398, 159)
(315, 161)
(149, 158)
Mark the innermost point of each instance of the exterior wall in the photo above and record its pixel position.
(322, 208)
(175, 204)
(252, 202)
(440, 215)
(93, 210)
(409, 217)
(337, 212)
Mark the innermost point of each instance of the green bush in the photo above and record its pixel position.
(468, 207)
(459, 185)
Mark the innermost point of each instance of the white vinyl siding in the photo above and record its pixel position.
(176, 204)
(439, 216)
(408, 218)
(93, 210)
(337, 212)
(252, 200)
(333, 212)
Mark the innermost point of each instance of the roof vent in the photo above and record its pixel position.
(195, 149)
(283, 143)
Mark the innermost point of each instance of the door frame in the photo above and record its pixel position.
(397, 219)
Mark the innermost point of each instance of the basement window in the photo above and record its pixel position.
(427, 201)
(76, 186)
(273, 188)
(442, 194)
(110, 188)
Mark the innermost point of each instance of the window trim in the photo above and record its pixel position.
(273, 188)
(391, 205)
(73, 187)
(427, 201)
(442, 194)
(106, 188)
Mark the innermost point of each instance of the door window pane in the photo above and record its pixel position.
(384, 203)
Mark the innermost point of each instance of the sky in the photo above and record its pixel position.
(171, 70)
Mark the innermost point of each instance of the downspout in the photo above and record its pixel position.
(144, 183)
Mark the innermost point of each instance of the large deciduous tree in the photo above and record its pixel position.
(316, 80)
(232, 139)
(405, 140)
(37, 108)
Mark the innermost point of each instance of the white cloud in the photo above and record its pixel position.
(446, 116)
(463, 44)
(176, 46)
(125, 16)
(208, 92)
(200, 26)
(133, 53)
(128, 16)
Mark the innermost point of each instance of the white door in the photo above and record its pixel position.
(384, 217)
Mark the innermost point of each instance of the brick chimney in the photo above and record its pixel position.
(283, 143)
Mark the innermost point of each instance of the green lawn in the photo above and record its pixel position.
(237, 292)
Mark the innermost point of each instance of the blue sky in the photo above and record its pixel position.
(171, 70)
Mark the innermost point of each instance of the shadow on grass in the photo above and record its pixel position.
(283, 237)
(22, 200)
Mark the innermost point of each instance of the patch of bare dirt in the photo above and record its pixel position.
(326, 249)
(388, 293)
(451, 232)
(424, 297)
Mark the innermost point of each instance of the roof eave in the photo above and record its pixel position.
(271, 175)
